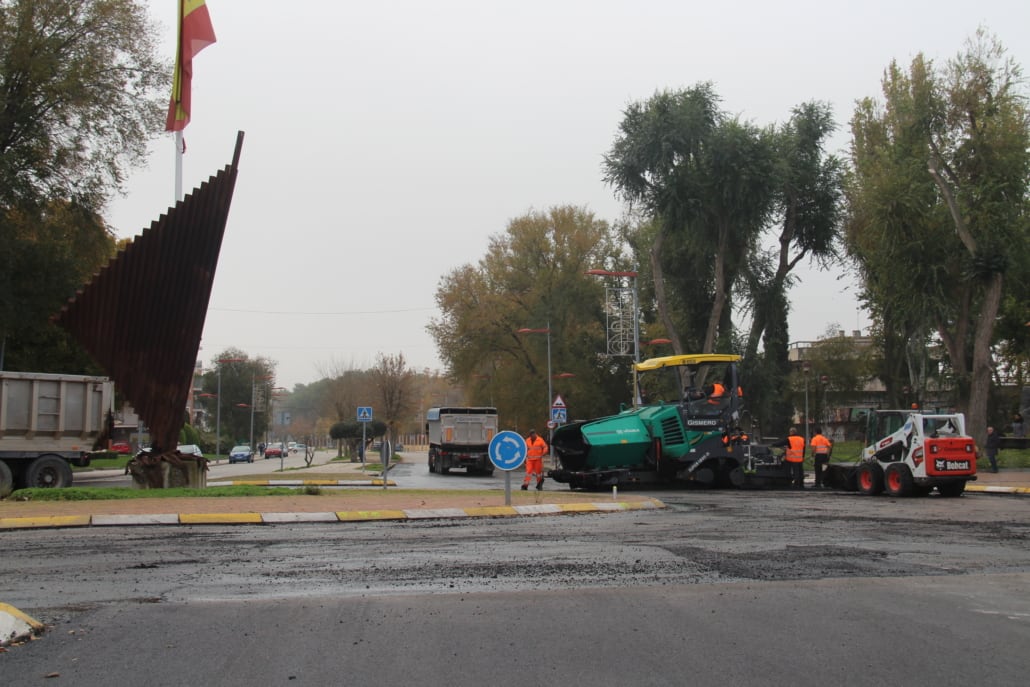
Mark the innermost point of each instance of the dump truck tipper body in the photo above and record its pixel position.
(459, 437)
(46, 422)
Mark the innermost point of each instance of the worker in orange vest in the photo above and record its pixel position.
(536, 449)
(821, 449)
(795, 457)
(716, 393)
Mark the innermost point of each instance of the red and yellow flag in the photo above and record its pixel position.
(195, 34)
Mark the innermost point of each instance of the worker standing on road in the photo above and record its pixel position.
(536, 449)
(821, 449)
(795, 457)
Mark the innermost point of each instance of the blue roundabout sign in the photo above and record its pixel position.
(507, 450)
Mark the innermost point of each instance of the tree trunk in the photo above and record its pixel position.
(659, 290)
(719, 302)
(980, 377)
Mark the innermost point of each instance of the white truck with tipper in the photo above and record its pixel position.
(46, 422)
(459, 437)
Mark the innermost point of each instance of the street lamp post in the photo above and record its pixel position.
(253, 400)
(545, 330)
(636, 323)
(806, 367)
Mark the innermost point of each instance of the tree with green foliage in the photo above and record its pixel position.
(533, 277)
(655, 165)
(709, 182)
(351, 432)
(47, 254)
(394, 382)
(808, 214)
(939, 205)
(240, 387)
(81, 95)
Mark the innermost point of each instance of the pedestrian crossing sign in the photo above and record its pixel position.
(364, 413)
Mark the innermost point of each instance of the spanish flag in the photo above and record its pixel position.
(195, 34)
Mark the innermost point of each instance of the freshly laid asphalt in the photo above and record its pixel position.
(16, 626)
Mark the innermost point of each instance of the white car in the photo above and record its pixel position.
(190, 450)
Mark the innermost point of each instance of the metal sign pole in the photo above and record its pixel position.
(507, 451)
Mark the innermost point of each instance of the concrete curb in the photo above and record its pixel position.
(981, 489)
(338, 516)
(15, 626)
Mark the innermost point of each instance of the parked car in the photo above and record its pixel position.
(275, 450)
(190, 450)
(121, 447)
(241, 454)
(292, 446)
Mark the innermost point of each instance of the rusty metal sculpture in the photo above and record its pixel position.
(141, 317)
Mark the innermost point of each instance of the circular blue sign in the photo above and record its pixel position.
(507, 450)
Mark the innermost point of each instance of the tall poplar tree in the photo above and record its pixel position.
(939, 206)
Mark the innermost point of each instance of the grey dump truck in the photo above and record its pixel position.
(459, 437)
(49, 422)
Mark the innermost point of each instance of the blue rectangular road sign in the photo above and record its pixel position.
(559, 415)
(364, 413)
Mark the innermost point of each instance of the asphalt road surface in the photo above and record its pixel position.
(726, 588)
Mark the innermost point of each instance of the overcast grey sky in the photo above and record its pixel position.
(387, 141)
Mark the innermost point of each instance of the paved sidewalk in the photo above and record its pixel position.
(1005, 481)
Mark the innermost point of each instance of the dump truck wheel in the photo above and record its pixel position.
(6, 481)
(897, 480)
(870, 479)
(48, 471)
(432, 464)
(952, 489)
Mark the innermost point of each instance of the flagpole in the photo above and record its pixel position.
(178, 166)
(175, 95)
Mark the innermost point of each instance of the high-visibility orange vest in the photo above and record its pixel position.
(795, 449)
(718, 391)
(820, 445)
(536, 448)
